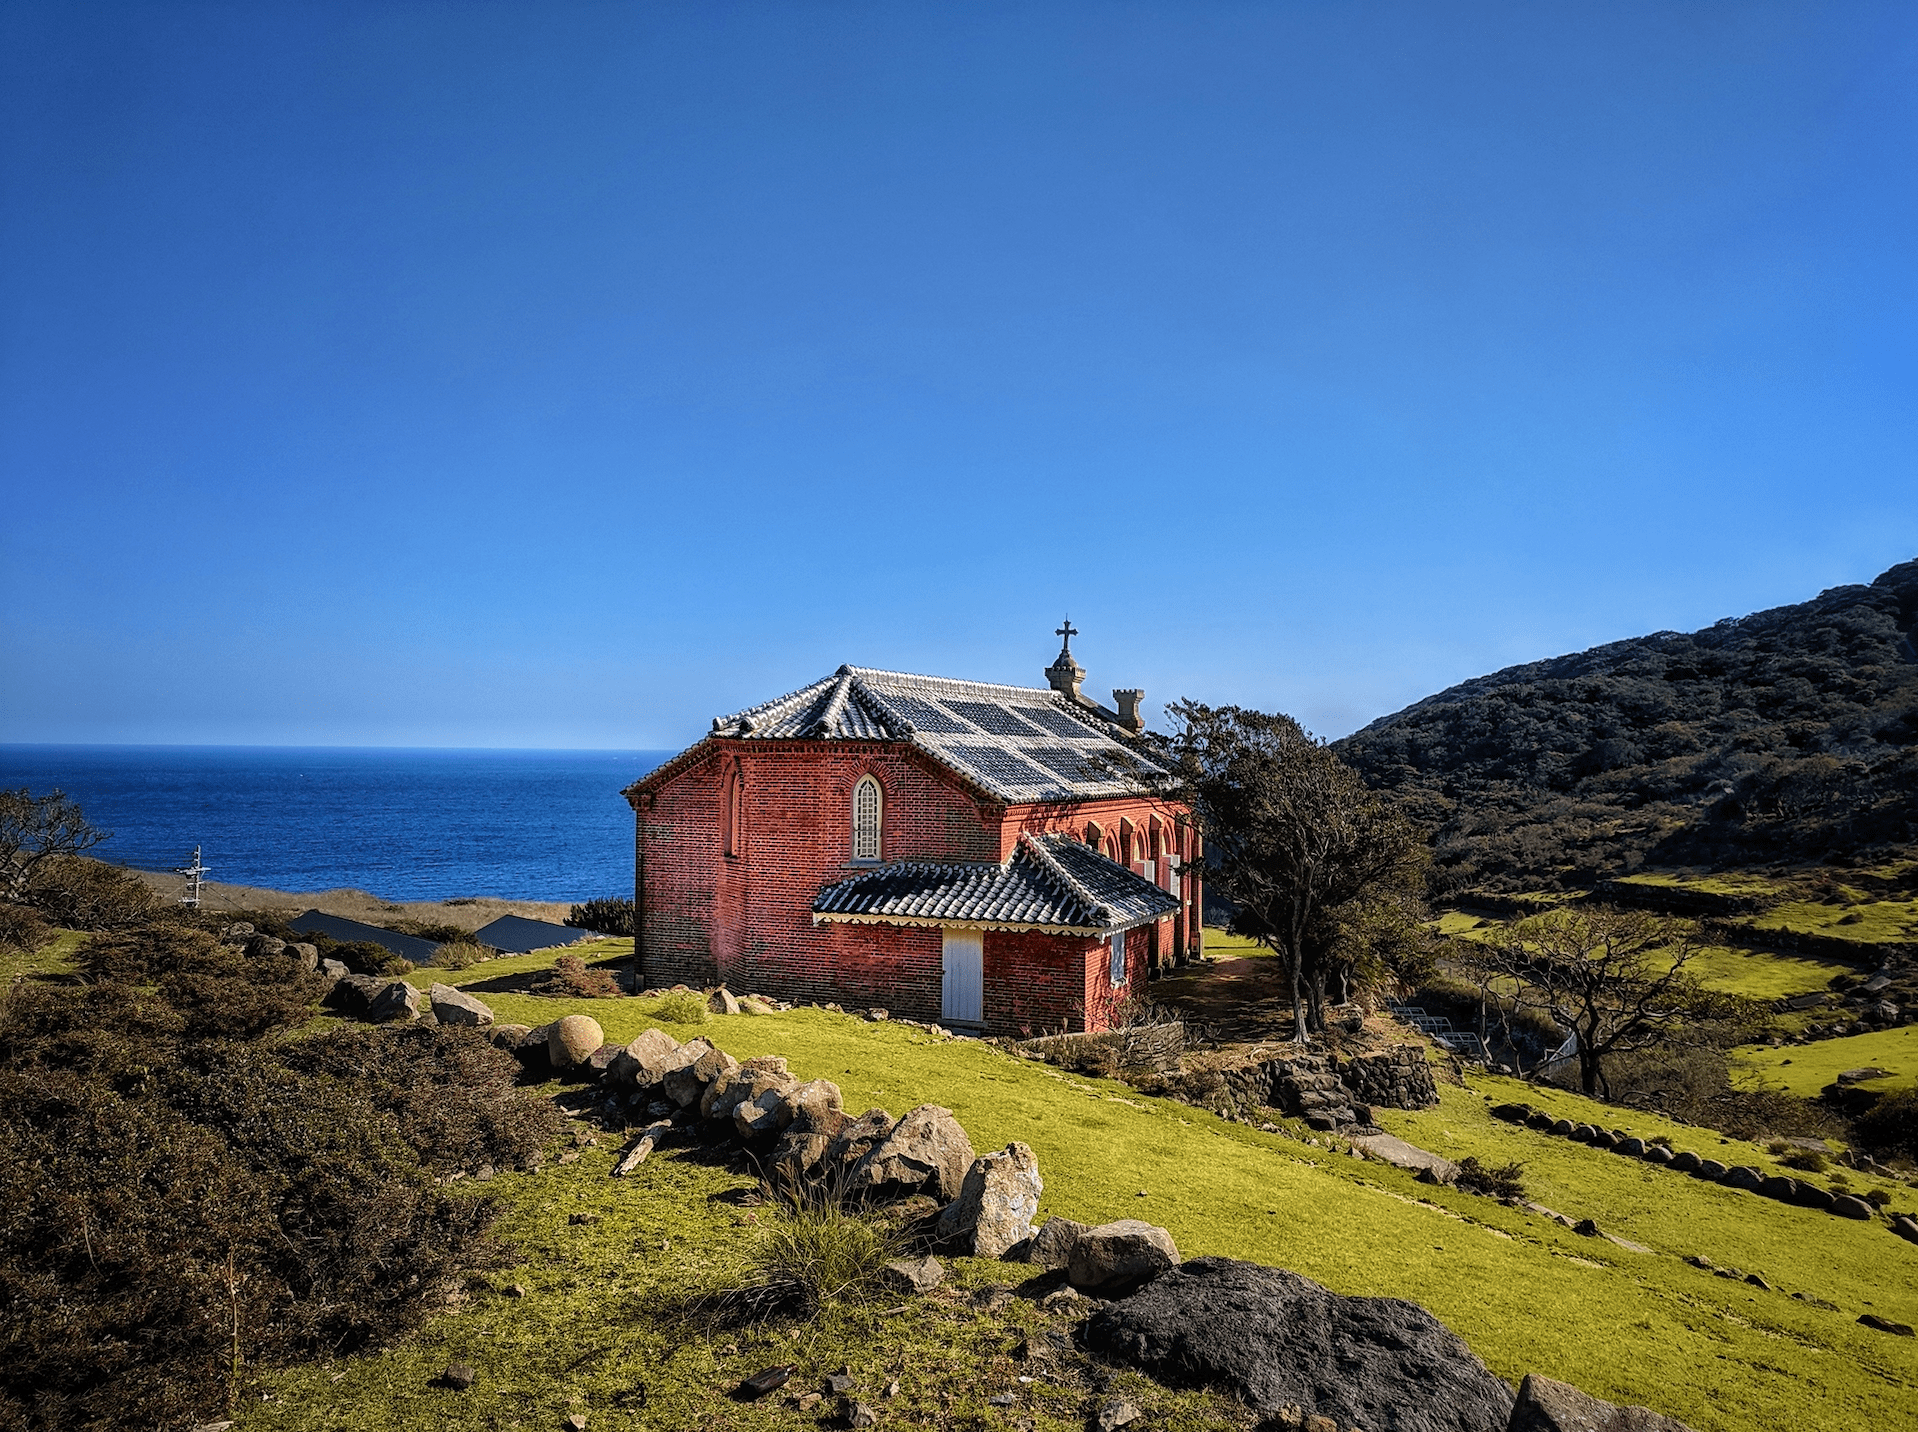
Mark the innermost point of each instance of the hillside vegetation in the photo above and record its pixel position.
(1785, 737)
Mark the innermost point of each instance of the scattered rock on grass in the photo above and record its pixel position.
(1115, 1258)
(914, 1275)
(860, 1415)
(993, 1213)
(1115, 1413)
(458, 1376)
(925, 1150)
(454, 1006)
(1886, 1325)
(572, 1040)
(767, 1380)
(1547, 1406)
(1052, 1245)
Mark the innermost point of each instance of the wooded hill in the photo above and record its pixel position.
(1787, 737)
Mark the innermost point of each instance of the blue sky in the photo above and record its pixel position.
(563, 375)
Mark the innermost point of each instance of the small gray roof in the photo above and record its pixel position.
(1052, 883)
(347, 932)
(1021, 743)
(517, 935)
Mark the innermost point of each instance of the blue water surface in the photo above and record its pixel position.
(405, 824)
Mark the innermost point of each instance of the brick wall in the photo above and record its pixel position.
(745, 919)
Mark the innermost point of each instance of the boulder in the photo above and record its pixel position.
(1658, 1154)
(642, 1064)
(1287, 1347)
(571, 1040)
(926, 1150)
(1052, 1245)
(306, 956)
(858, 1138)
(1686, 1162)
(1710, 1169)
(1885, 1325)
(993, 1213)
(1631, 1148)
(369, 997)
(1547, 1406)
(1810, 1195)
(722, 1001)
(452, 1006)
(804, 1101)
(1563, 1127)
(1511, 1113)
(1540, 1121)
(334, 969)
(1785, 1190)
(695, 1068)
(1115, 1258)
(913, 1275)
(764, 1091)
(259, 945)
(1395, 1151)
(1850, 1206)
(1584, 1133)
(599, 1061)
(805, 1144)
(1743, 1176)
(352, 994)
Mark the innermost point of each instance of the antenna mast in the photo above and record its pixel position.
(193, 872)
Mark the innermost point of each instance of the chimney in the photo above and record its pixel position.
(1129, 709)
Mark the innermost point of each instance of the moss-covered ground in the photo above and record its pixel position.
(1862, 918)
(1804, 1069)
(52, 959)
(1527, 1294)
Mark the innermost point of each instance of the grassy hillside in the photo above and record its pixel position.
(1806, 1068)
(1526, 1293)
(1786, 736)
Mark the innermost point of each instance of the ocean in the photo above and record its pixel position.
(405, 824)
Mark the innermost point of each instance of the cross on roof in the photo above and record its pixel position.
(1068, 631)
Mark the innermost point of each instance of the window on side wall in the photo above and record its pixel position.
(729, 812)
(1118, 958)
(868, 812)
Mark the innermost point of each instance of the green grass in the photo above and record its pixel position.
(1525, 1293)
(1763, 974)
(1223, 946)
(600, 951)
(1866, 920)
(1804, 1069)
(1724, 884)
(53, 959)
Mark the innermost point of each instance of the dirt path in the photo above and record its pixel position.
(1237, 1001)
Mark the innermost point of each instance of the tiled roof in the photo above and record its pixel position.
(1051, 883)
(1021, 743)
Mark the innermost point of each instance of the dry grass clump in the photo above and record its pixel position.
(21, 930)
(572, 978)
(459, 955)
(1500, 1181)
(817, 1254)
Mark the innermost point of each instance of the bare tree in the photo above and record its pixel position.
(1617, 979)
(1296, 836)
(35, 829)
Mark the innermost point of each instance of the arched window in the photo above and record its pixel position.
(729, 812)
(868, 810)
(1095, 837)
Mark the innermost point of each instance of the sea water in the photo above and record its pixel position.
(405, 824)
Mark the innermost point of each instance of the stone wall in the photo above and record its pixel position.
(1396, 1078)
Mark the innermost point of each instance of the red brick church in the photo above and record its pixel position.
(990, 857)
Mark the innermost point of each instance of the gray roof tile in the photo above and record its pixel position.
(1021, 743)
(1051, 882)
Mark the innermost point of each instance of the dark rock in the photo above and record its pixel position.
(1785, 1190)
(925, 1150)
(1686, 1162)
(1563, 1127)
(1710, 1169)
(770, 1380)
(458, 1376)
(1810, 1195)
(1743, 1176)
(1547, 1406)
(260, 945)
(860, 1415)
(840, 1383)
(1586, 1227)
(1850, 1206)
(307, 956)
(1511, 1113)
(1658, 1154)
(1540, 1121)
(1631, 1148)
(1885, 1325)
(1115, 1413)
(1584, 1133)
(1279, 1341)
(1757, 1282)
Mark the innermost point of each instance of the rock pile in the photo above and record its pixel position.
(1395, 1078)
(1738, 1176)
(1332, 1096)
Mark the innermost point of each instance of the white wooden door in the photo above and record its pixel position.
(963, 994)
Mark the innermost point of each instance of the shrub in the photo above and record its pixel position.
(187, 1199)
(1878, 1197)
(21, 930)
(573, 979)
(437, 932)
(395, 966)
(1806, 1161)
(1505, 1181)
(681, 1006)
(1890, 1126)
(459, 955)
(816, 1254)
(83, 894)
(608, 915)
